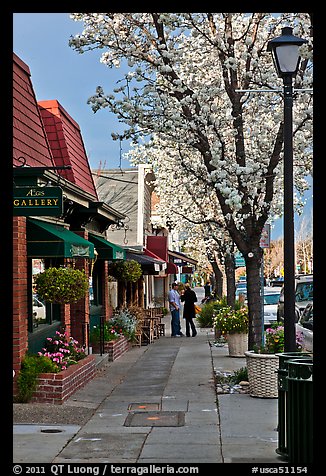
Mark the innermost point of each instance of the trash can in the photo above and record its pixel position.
(282, 372)
(300, 411)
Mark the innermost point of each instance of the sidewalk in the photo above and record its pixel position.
(155, 404)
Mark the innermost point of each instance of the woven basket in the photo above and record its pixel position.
(238, 344)
(262, 374)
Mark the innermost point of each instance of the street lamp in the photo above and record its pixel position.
(285, 51)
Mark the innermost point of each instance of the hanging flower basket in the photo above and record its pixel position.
(61, 285)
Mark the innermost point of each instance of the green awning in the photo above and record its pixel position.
(47, 240)
(106, 249)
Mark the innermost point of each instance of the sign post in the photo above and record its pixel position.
(265, 242)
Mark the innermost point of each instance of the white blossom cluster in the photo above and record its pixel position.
(213, 149)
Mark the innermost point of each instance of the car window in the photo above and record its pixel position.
(307, 317)
(271, 298)
(304, 292)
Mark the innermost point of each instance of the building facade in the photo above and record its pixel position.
(58, 220)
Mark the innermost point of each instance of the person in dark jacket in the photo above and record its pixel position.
(207, 289)
(189, 298)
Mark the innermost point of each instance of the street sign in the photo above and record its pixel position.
(37, 201)
(239, 260)
(265, 239)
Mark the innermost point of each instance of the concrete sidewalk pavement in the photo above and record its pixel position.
(155, 404)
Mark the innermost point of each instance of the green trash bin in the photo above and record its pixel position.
(300, 411)
(282, 372)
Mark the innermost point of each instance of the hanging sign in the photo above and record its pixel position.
(265, 239)
(38, 201)
(239, 260)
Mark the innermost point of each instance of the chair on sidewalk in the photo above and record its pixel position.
(148, 330)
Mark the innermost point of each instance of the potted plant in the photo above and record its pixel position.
(61, 285)
(263, 362)
(128, 270)
(234, 324)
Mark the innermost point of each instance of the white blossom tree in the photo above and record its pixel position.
(183, 89)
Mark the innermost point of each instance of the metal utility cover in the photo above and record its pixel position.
(157, 418)
(143, 406)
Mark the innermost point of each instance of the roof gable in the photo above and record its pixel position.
(30, 145)
(67, 145)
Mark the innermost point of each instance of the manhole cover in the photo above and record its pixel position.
(144, 406)
(145, 418)
(51, 430)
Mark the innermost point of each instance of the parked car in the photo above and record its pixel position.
(303, 296)
(277, 282)
(305, 325)
(38, 309)
(271, 299)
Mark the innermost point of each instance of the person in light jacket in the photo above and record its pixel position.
(189, 298)
(175, 304)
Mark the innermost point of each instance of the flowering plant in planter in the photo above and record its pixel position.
(61, 285)
(274, 340)
(110, 332)
(63, 350)
(124, 320)
(231, 321)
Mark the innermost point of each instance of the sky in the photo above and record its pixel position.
(59, 72)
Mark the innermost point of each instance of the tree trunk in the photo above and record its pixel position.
(122, 294)
(230, 278)
(218, 289)
(254, 298)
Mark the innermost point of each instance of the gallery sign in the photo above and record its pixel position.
(38, 201)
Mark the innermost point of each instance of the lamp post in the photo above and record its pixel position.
(285, 51)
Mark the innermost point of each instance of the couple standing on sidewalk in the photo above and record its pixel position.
(188, 296)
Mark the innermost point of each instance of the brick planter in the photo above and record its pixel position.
(55, 388)
(114, 348)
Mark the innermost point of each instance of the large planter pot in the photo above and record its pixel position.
(262, 374)
(238, 344)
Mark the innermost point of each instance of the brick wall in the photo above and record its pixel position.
(79, 312)
(20, 310)
(114, 348)
(56, 388)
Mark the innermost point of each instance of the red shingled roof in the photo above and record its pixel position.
(45, 135)
(29, 138)
(67, 145)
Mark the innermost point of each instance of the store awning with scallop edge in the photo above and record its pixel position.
(47, 240)
(106, 249)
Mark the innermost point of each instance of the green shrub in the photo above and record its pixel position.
(205, 318)
(32, 366)
(209, 309)
(232, 379)
(239, 375)
(61, 285)
(129, 270)
(122, 323)
(125, 321)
